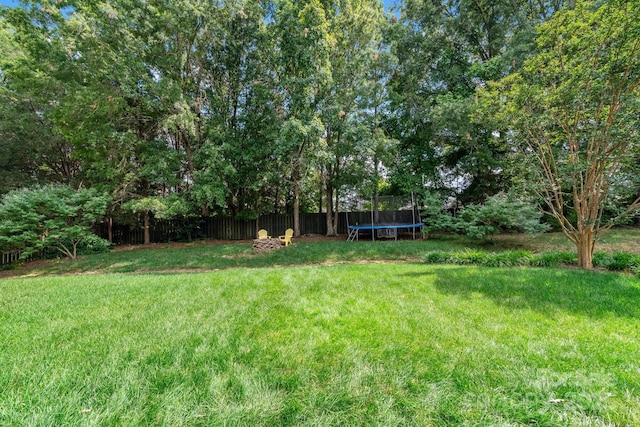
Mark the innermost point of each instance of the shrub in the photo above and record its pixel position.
(469, 256)
(436, 219)
(480, 257)
(500, 213)
(55, 216)
(437, 258)
(554, 259)
(619, 261)
(509, 259)
(515, 258)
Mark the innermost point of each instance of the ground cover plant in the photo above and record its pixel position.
(619, 261)
(349, 344)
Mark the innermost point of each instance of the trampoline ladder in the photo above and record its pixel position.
(353, 235)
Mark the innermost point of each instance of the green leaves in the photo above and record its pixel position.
(499, 213)
(161, 207)
(52, 216)
(573, 111)
(446, 50)
(249, 106)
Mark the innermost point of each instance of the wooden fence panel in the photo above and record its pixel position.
(8, 258)
(124, 234)
(11, 257)
(223, 228)
(226, 228)
(220, 228)
(275, 224)
(313, 223)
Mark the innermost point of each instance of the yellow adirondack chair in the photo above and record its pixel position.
(286, 239)
(263, 234)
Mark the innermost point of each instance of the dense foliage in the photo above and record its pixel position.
(573, 111)
(619, 261)
(248, 107)
(53, 216)
(498, 214)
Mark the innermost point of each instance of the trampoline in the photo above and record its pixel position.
(383, 217)
(383, 230)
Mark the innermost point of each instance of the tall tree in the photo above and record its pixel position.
(117, 120)
(574, 109)
(35, 77)
(350, 100)
(152, 98)
(237, 162)
(303, 46)
(446, 50)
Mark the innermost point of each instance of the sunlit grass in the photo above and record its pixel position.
(367, 344)
(615, 240)
(209, 255)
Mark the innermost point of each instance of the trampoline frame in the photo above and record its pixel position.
(354, 230)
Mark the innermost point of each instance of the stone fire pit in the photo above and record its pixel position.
(266, 244)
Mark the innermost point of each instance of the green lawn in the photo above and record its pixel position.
(350, 344)
(212, 255)
(208, 255)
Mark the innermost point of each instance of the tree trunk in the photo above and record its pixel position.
(147, 235)
(296, 209)
(184, 136)
(320, 196)
(336, 213)
(296, 202)
(376, 199)
(585, 246)
(329, 215)
(110, 229)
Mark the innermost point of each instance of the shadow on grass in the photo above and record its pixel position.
(547, 291)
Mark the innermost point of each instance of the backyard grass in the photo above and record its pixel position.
(624, 239)
(215, 255)
(323, 332)
(385, 344)
(212, 255)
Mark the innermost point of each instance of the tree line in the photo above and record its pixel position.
(246, 107)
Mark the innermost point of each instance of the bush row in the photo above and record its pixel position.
(619, 261)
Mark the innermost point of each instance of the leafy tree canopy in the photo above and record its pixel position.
(573, 113)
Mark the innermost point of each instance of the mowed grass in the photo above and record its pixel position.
(215, 255)
(211, 255)
(624, 239)
(360, 344)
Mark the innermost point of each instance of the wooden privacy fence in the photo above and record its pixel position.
(220, 228)
(7, 258)
(11, 257)
(223, 228)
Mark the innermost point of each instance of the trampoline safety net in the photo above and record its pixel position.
(383, 217)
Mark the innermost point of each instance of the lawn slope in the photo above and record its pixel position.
(368, 344)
